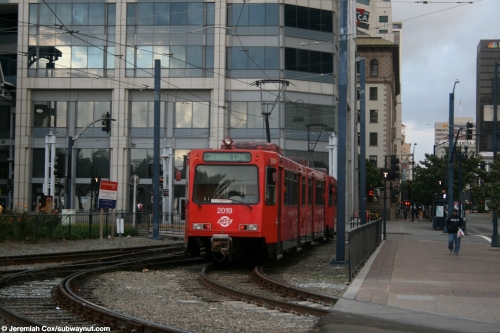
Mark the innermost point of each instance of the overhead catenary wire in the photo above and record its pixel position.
(76, 32)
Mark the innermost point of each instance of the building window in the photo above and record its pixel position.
(298, 116)
(308, 18)
(373, 67)
(249, 115)
(257, 58)
(92, 162)
(373, 160)
(308, 61)
(174, 13)
(383, 18)
(364, 2)
(258, 14)
(192, 114)
(363, 25)
(181, 54)
(373, 93)
(373, 116)
(52, 53)
(383, 31)
(90, 111)
(50, 114)
(142, 114)
(373, 139)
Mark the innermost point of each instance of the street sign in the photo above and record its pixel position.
(165, 192)
(107, 194)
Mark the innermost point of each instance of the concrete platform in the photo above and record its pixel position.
(412, 284)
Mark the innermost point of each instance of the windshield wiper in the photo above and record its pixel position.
(246, 204)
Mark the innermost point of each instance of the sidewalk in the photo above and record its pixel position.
(412, 284)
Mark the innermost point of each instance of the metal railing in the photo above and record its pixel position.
(363, 240)
(35, 225)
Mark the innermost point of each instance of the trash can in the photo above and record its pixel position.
(66, 216)
(439, 215)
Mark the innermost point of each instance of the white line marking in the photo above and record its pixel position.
(487, 238)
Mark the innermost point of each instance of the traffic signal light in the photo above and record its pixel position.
(140, 190)
(59, 165)
(150, 170)
(468, 134)
(95, 182)
(394, 173)
(106, 122)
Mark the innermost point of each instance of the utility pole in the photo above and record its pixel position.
(362, 151)
(156, 154)
(342, 133)
(450, 149)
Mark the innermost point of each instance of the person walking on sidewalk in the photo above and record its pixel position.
(453, 223)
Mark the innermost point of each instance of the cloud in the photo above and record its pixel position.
(439, 45)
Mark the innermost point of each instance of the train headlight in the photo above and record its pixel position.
(252, 227)
(202, 226)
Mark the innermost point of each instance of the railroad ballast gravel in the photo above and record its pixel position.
(162, 297)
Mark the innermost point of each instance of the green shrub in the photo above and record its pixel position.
(81, 231)
(23, 226)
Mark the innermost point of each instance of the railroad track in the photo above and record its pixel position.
(49, 297)
(72, 256)
(305, 302)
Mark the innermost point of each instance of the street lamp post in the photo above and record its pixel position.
(450, 147)
(439, 144)
(362, 131)
(412, 177)
(460, 159)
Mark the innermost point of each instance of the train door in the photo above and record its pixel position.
(310, 215)
(301, 211)
(280, 217)
(314, 216)
(182, 209)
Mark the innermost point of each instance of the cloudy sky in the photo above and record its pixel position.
(439, 45)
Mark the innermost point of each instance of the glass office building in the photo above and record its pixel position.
(71, 62)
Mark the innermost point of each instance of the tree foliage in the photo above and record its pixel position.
(372, 175)
(429, 173)
(489, 187)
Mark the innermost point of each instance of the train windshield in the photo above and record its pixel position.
(226, 184)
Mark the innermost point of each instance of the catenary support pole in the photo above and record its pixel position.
(450, 150)
(342, 134)
(362, 139)
(156, 154)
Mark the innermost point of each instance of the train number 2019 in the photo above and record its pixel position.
(223, 210)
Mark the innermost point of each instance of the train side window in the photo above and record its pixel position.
(270, 186)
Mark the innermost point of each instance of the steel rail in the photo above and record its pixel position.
(258, 276)
(91, 311)
(105, 316)
(260, 300)
(67, 256)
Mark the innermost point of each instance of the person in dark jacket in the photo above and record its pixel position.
(453, 223)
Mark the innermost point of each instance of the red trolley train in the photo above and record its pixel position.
(248, 200)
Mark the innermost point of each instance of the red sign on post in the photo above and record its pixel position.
(107, 194)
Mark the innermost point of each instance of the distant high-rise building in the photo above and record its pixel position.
(488, 52)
